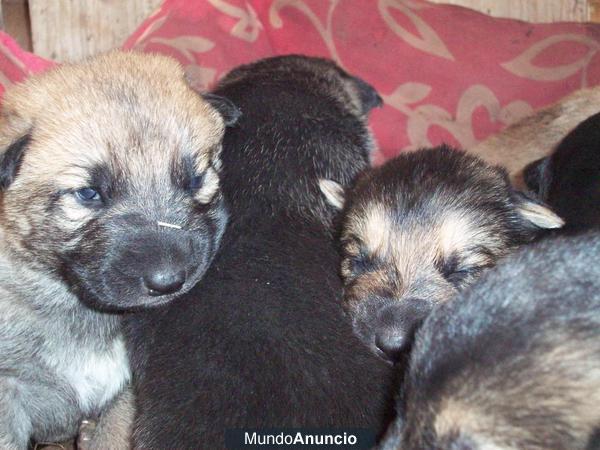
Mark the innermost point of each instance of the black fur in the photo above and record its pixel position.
(569, 179)
(263, 341)
(10, 160)
(594, 442)
(500, 352)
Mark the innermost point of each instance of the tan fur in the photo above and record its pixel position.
(113, 430)
(561, 370)
(209, 187)
(536, 136)
(403, 251)
(333, 192)
(71, 135)
(455, 417)
(374, 228)
(454, 233)
(368, 284)
(131, 111)
(541, 216)
(53, 99)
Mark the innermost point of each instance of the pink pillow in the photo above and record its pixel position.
(446, 73)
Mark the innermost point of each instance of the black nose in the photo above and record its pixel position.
(396, 326)
(164, 281)
(391, 342)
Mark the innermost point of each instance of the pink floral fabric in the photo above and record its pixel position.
(446, 73)
(17, 64)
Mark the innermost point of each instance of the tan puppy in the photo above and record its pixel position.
(536, 136)
(109, 201)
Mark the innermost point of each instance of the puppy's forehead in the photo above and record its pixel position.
(383, 230)
(119, 106)
(457, 231)
(372, 225)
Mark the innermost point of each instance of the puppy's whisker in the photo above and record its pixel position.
(168, 225)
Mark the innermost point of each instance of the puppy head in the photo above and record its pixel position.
(109, 177)
(331, 81)
(304, 119)
(420, 228)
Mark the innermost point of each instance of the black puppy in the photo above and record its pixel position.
(569, 179)
(514, 363)
(264, 342)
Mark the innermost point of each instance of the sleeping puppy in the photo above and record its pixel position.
(536, 136)
(569, 179)
(262, 341)
(419, 229)
(110, 202)
(514, 362)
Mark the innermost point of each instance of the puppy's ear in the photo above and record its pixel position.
(369, 97)
(11, 158)
(538, 176)
(225, 107)
(535, 212)
(333, 192)
(364, 96)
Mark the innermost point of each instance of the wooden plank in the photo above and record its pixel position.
(594, 6)
(68, 30)
(531, 10)
(15, 15)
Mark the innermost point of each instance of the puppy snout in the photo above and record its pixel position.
(164, 280)
(151, 267)
(396, 326)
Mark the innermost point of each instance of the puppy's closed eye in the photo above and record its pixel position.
(456, 270)
(448, 265)
(357, 259)
(360, 264)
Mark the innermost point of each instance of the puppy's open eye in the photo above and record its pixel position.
(196, 182)
(88, 195)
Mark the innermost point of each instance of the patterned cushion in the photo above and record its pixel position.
(446, 73)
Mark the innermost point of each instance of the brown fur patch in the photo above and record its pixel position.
(536, 136)
(562, 385)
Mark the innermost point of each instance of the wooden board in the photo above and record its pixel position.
(594, 6)
(67, 30)
(15, 18)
